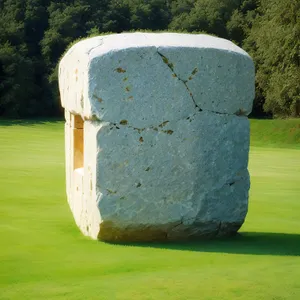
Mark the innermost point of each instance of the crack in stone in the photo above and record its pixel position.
(91, 49)
(171, 67)
(181, 223)
(177, 225)
(239, 113)
(218, 113)
(140, 130)
(158, 128)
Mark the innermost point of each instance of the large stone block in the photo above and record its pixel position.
(157, 135)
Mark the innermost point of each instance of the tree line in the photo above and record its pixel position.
(35, 33)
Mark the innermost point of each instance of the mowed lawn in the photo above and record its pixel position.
(44, 256)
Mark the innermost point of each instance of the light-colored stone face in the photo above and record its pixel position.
(166, 136)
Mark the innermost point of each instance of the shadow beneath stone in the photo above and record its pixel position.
(29, 122)
(254, 243)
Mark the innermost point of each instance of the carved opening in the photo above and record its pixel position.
(78, 138)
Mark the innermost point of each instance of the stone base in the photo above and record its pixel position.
(167, 232)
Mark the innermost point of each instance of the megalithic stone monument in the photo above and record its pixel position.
(157, 135)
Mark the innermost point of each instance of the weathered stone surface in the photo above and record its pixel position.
(147, 78)
(166, 137)
(163, 175)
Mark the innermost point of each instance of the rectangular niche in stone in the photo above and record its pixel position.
(157, 135)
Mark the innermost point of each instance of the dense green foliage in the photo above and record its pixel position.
(44, 256)
(35, 33)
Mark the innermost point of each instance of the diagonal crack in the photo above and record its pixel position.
(100, 43)
(171, 67)
(240, 112)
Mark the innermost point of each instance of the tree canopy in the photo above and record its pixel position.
(35, 33)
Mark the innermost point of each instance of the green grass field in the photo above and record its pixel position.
(44, 256)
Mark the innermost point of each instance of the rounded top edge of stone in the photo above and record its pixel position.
(100, 45)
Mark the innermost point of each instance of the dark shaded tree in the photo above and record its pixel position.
(209, 16)
(274, 43)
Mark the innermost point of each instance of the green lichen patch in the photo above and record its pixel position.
(163, 124)
(111, 192)
(165, 60)
(120, 70)
(195, 71)
(170, 132)
(123, 122)
(98, 98)
(139, 130)
(171, 66)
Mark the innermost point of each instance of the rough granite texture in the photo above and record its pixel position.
(166, 135)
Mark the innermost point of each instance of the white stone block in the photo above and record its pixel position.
(165, 135)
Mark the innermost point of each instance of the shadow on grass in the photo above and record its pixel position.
(29, 122)
(255, 243)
